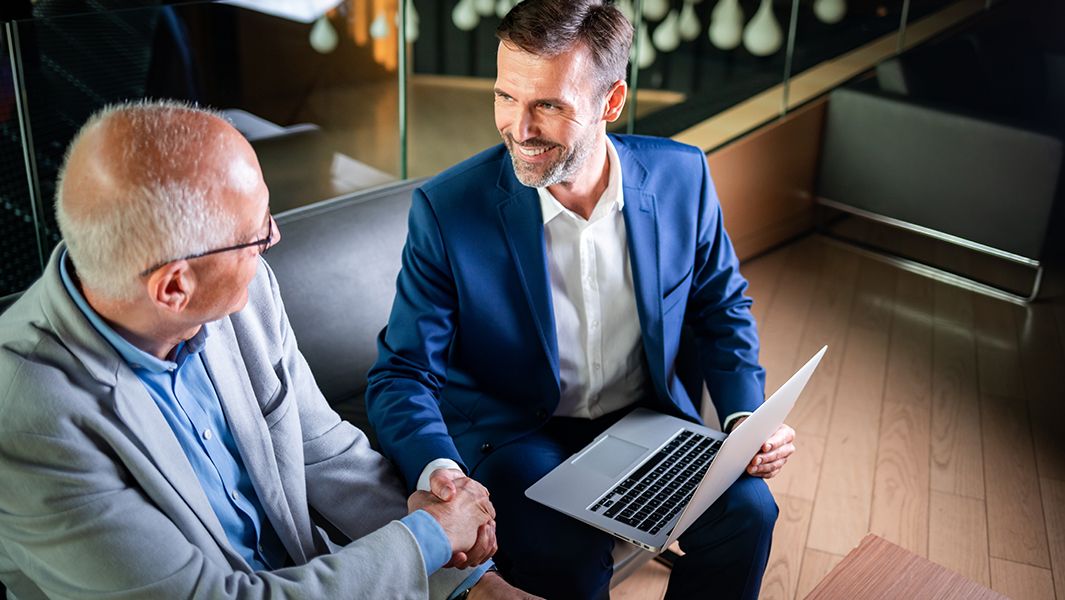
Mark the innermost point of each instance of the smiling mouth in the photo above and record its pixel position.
(534, 151)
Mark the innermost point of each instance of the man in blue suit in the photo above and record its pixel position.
(546, 287)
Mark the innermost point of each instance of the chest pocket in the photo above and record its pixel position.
(678, 291)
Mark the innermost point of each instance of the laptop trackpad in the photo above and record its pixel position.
(610, 456)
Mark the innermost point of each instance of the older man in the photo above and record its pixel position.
(160, 434)
(545, 288)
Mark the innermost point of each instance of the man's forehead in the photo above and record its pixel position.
(562, 72)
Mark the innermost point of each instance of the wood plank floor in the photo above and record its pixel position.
(936, 420)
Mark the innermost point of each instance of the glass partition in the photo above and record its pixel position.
(336, 98)
(20, 255)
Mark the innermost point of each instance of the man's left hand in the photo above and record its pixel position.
(492, 586)
(773, 453)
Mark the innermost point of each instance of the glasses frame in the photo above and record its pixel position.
(264, 246)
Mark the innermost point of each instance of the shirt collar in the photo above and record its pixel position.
(550, 207)
(134, 356)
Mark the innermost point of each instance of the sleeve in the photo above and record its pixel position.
(719, 312)
(402, 397)
(72, 521)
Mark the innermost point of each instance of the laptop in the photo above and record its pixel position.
(649, 476)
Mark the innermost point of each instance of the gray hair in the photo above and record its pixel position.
(548, 28)
(158, 215)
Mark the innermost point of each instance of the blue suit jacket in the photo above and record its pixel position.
(469, 359)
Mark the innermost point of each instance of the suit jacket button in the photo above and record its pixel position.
(541, 414)
(486, 447)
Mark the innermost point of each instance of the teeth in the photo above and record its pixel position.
(534, 151)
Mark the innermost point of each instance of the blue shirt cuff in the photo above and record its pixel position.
(475, 576)
(433, 542)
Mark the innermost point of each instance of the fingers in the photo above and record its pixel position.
(441, 482)
(458, 561)
(485, 546)
(766, 470)
(784, 451)
(783, 435)
(479, 495)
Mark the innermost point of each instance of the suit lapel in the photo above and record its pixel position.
(523, 225)
(150, 429)
(642, 231)
(244, 416)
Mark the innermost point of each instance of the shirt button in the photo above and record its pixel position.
(595, 324)
(235, 496)
(207, 435)
(596, 366)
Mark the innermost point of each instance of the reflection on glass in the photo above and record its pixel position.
(20, 261)
(312, 84)
(452, 66)
(740, 51)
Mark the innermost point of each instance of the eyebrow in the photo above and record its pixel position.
(555, 101)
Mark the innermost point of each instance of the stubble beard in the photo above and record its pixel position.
(562, 170)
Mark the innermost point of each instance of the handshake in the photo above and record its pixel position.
(462, 508)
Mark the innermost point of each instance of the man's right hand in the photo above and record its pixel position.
(467, 516)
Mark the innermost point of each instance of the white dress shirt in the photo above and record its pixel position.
(600, 361)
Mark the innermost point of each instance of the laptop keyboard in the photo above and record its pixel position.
(661, 487)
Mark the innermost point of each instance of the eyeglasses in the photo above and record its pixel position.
(264, 245)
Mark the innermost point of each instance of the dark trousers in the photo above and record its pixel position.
(557, 557)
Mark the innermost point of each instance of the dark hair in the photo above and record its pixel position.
(550, 27)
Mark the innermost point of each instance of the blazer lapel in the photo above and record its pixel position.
(641, 226)
(524, 227)
(243, 414)
(138, 411)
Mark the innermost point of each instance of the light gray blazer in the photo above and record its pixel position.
(97, 498)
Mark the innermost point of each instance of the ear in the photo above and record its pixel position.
(171, 286)
(615, 101)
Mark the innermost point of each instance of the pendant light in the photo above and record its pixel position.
(763, 35)
(323, 37)
(726, 25)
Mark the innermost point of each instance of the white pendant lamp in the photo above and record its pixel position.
(484, 8)
(465, 15)
(502, 8)
(763, 35)
(323, 37)
(379, 27)
(625, 6)
(643, 51)
(726, 25)
(667, 34)
(689, 23)
(830, 12)
(655, 10)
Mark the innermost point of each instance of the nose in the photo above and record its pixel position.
(275, 233)
(525, 126)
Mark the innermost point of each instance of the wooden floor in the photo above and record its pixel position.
(935, 421)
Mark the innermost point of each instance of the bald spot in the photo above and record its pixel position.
(137, 148)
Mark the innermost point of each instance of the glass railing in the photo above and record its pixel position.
(339, 96)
